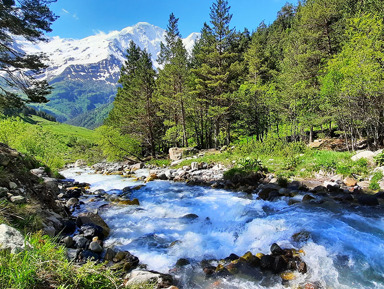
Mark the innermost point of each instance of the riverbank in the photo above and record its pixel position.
(85, 218)
(173, 227)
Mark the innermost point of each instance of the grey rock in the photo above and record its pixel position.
(95, 247)
(72, 254)
(194, 166)
(91, 218)
(81, 242)
(175, 154)
(18, 199)
(12, 185)
(3, 192)
(80, 163)
(50, 231)
(40, 172)
(11, 239)
(137, 166)
(109, 254)
(140, 276)
(72, 202)
(68, 242)
(364, 154)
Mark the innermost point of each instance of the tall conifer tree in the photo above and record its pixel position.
(171, 84)
(134, 111)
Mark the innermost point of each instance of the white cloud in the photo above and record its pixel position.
(65, 11)
(75, 16)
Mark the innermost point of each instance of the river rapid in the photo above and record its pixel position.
(345, 248)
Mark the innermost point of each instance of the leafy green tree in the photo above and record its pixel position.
(171, 91)
(19, 82)
(354, 82)
(313, 40)
(117, 146)
(134, 112)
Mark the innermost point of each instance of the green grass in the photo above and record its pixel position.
(53, 144)
(45, 265)
(376, 178)
(285, 160)
(65, 130)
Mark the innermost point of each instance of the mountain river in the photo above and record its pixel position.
(345, 248)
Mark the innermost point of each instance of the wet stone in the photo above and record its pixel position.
(209, 270)
(182, 262)
(231, 257)
(276, 250)
(279, 264)
(266, 262)
(89, 255)
(91, 230)
(109, 254)
(95, 247)
(81, 242)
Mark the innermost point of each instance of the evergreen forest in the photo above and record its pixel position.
(318, 68)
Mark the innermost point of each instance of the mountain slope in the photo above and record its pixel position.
(84, 72)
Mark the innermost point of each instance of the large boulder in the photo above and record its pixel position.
(11, 239)
(137, 277)
(175, 154)
(364, 155)
(93, 219)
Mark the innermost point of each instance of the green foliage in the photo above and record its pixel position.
(115, 145)
(249, 164)
(379, 159)
(354, 79)
(27, 20)
(25, 218)
(45, 265)
(53, 144)
(134, 109)
(80, 102)
(376, 178)
(160, 162)
(272, 146)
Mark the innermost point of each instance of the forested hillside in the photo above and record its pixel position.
(318, 66)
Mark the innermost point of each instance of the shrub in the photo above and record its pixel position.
(379, 159)
(374, 184)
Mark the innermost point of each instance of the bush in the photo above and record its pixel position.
(379, 159)
(376, 178)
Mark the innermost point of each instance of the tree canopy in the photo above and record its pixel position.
(19, 72)
(318, 66)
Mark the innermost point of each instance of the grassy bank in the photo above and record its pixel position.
(53, 144)
(286, 159)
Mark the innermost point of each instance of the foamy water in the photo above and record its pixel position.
(345, 249)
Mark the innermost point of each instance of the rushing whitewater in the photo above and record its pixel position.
(174, 220)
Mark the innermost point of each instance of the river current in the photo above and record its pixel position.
(345, 248)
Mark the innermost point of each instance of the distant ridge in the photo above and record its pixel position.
(84, 72)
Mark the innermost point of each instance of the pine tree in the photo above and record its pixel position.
(19, 71)
(171, 83)
(134, 112)
(217, 75)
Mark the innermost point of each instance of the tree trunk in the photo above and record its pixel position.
(217, 131)
(228, 140)
(311, 134)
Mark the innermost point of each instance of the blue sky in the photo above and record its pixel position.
(82, 18)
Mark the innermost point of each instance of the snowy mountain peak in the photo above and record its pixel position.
(64, 53)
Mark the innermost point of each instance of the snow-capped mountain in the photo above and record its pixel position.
(80, 69)
(100, 56)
